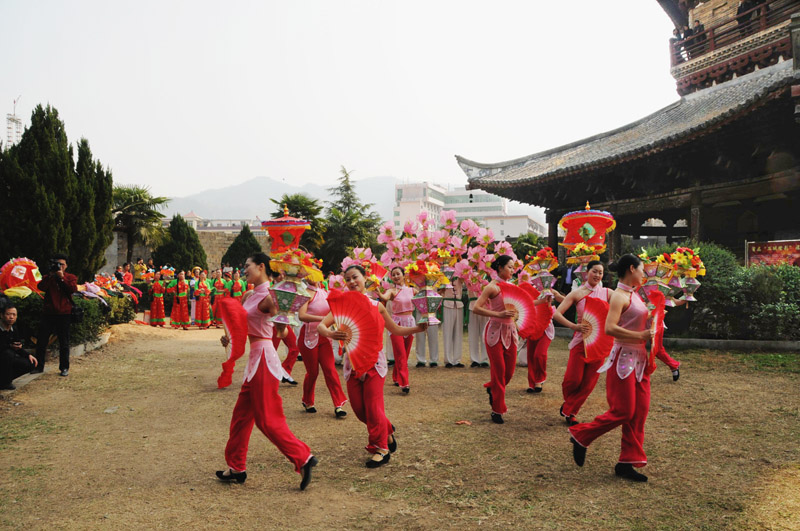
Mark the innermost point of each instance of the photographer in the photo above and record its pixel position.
(14, 362)
(58, 287)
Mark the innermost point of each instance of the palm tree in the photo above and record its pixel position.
(304, 207)
(136, 214)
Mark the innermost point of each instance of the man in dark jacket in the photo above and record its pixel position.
(14, 362)
(58, 287)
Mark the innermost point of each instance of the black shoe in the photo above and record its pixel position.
(289, 380)
(38, 371)
(675, 375)
(459, 365)
(497, 418)
(474, 364)
(396, 384)
(309, 409)
(390, 363)
(420, 364)
(578, 452)
(537, 389)
(448, 365)
(530, 390)
(406, 390)
(306, 471)
(299, 357)
(339, 412)
(626, 470)
(231, 476)
(375, 464)
(393, 444)
(433, 364)
(571, 420)
(8, 387)
(561, 411)
(489, 392)
(64, 372)
(485, 364)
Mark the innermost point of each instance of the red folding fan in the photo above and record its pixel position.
(354, 314)
(515, 298)
(658, 300)
(234, 319)
(596, 343)
(544, 312)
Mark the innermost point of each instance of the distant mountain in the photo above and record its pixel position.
(251, 199)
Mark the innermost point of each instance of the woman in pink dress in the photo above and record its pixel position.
(318, 351)
(628, 375)
(259, 402)
(403, 315)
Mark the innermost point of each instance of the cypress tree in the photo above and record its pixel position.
(244, 246)
(182, 248)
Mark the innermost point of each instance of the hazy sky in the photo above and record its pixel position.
(186, 96)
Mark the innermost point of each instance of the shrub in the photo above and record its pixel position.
(122, 310)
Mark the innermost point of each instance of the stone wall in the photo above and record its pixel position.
(116, 253)
(216, 244)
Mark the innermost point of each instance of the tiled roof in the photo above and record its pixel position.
(689, 116)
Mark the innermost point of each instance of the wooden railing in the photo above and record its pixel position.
(759, 18)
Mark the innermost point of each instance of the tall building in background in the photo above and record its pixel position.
(488, 210)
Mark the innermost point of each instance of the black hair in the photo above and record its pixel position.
(351, 266)
(397, 267)
(59, 256)
(7, 306)
(500, 261)
(593, 263)
(624, 264)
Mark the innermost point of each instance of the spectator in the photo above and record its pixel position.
(58, 287)
(127, 276)
(14, 362)
(118, 274)
(151, 265)
(139, 270)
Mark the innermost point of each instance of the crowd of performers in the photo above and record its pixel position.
(627, 364)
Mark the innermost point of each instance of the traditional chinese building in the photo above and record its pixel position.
(720, 164)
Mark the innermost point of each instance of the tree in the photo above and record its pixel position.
(527, 244)
(136, 214)
(346, 197)
(244, 246)
(181, 248)
(304, 207)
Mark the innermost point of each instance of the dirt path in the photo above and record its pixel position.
(132, 437)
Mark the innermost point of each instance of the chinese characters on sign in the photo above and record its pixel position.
(773, 253)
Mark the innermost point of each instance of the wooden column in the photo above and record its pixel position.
(695, 217)
(553, 218)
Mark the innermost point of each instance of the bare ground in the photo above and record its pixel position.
(132, 437)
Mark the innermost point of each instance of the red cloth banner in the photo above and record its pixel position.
(773, 253)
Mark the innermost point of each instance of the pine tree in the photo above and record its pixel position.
(182, 248)
(244, 246)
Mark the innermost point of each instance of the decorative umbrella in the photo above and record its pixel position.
(285, 232)
(354, 314)
(588, 227)
(596, 344)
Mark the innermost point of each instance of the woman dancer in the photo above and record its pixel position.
(318, 352)
(239, 286)
(403, 315)
(179, 315)
(202, 294)
(628, 380)
(259, 402)
(157, 289)
(500, 336)
(663, 355)
(536, 351)
(366, 392)
(581, 375)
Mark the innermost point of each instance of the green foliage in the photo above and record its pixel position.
(96, 317)
(54, 205)
(304, 207)
(527, 245)
(242, 247)
(181, 248)
(136, 214)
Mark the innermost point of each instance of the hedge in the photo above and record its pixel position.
(96, 317)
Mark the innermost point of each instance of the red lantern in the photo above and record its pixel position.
(285, 232)
(588, 227)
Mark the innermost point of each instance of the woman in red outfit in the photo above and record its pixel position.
(259, 402)
(581, 375)
(220, 290)
(157, 290)
(318, 352)
(239, 286)
(179, 315)
(366, 392)
(628, 376)
(500, 336)
(202, 294)
(536, 351)
(403, 315)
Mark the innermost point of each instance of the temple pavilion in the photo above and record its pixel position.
(720, 164)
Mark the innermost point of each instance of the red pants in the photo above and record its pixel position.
(314, 358)
(291, 343)
(629, 403)
(259, 403)
(537, 360)
(501, 364)
(579, 380)
(401, 348)
(366, 399)
(668, 360)
(157, 317)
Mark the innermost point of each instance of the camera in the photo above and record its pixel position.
(55, 266)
